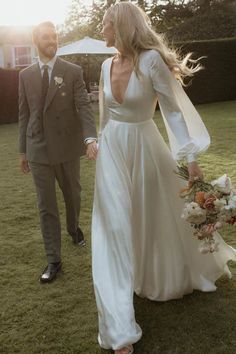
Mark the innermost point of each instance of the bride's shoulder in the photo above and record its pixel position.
(107, 62)
(149, 55)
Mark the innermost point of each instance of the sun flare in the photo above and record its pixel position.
(31, 12)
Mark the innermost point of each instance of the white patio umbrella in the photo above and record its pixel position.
(86, 45)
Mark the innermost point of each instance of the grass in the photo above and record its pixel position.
(61, 318)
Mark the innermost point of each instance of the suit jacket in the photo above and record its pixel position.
(56, 132)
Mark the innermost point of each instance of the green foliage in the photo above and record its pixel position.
(166, 14)
(61, 318)
(194, 19)
(83, 21)
(218, 22)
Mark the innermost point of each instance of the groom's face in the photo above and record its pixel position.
(47, 42)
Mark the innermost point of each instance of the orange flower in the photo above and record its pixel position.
(200, 198)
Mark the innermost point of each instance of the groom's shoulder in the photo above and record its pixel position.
(27, 71)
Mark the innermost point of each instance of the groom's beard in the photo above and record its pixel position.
(48, 51)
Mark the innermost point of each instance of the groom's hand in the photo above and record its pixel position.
(24, 165)
(92, 150)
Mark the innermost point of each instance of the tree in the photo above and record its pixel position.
(194, 19)
(210, 19)
(179, 19)
(83, 21)
(75, 26)
(165, 14)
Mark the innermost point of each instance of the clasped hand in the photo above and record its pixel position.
(92, 150)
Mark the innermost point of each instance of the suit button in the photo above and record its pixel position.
(57, 117)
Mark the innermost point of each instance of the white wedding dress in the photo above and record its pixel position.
(139, 241)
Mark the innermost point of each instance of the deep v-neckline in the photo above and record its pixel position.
(128, 84)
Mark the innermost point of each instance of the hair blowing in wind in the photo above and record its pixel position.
(134, 34)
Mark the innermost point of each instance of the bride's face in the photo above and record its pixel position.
(108, 32)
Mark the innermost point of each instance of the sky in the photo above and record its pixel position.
(32, 12)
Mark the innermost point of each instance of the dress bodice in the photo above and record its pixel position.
(187, 133)
(140, 98)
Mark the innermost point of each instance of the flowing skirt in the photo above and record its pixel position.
(139, 241)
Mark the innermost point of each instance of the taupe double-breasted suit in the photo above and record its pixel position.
(53, 139)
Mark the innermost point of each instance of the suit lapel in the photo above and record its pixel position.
(58, 71)
(36, 79)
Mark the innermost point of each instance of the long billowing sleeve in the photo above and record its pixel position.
(186, 131)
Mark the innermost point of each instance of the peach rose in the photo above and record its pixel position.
(200, 198)
(209, 202)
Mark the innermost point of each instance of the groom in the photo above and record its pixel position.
(56, 127)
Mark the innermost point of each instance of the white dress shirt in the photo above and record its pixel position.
(50, 65)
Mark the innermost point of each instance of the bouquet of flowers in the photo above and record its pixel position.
(208, 207)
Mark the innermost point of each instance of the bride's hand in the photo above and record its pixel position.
(194, 171)
(92, 150)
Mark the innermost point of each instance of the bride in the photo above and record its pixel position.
(139, 242)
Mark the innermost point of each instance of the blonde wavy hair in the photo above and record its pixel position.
(133, 34)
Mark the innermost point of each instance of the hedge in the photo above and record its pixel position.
(217, 82)
(8, 95)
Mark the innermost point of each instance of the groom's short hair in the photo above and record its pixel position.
(36, 30)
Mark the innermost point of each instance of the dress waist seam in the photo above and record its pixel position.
(131, 123)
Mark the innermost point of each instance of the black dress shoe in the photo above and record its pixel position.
(78, 238)
(50, 272)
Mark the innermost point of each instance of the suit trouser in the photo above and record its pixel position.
(67, 175)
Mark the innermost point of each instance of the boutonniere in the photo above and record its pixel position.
(59, 81)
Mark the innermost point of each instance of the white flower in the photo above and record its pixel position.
(222, 184)
(214, 247)
(232, 202)
(193, 213)
(230, 208)
(204, 247)
(58, 80)
(209, 246)
(219, 203)
(218, 225)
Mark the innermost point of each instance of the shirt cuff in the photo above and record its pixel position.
(89, 140)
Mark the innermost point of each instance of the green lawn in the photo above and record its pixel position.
(61, 318)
